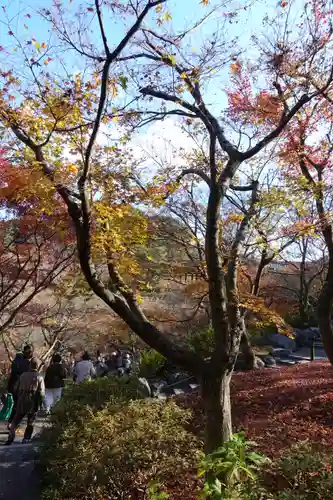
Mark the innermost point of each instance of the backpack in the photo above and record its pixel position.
(7, 408)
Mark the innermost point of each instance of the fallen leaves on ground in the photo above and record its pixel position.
(278, 407)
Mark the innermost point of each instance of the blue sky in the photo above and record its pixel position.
(183, 12)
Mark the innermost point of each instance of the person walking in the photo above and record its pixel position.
(84, 369)
(30, 397)
(100, 365)
(54, 381)
(20, 365)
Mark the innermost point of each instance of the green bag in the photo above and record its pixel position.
(7, 408)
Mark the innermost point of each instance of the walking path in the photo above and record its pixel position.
(19, 478)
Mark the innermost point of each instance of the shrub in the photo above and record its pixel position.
(235, 473)
(201, 341)
(297, 321)
(116, 452)
(152, 363)
(230, 468)
(303, 473)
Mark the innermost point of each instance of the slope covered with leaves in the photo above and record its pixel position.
(279, 407)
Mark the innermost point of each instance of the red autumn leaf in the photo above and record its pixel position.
(274, 418)
(90, 9)
(28, 15)
(10, 33)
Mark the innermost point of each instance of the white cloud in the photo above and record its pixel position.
(161, 145)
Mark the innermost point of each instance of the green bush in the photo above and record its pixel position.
(201, 341)
(106, 442)
(230, 468)
(152, 362)
(117, 452)
(234, 473)
(296, 321)
(305, 473)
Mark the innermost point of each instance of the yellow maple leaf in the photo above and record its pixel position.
(236, 67)
(204, 2)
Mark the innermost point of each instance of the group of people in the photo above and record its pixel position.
(29, 391)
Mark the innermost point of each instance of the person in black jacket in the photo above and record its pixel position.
(21, 364)
(54, 381)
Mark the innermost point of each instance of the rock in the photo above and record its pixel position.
(242, 364)
(259, 363)
(278, 340)
(157, 387)
(286, 362)
(269, 361)
(144, 387)
(173, 378)
(279, 351)
(305, 336)
(178, 392)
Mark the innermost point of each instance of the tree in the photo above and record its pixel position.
(306, 144)
(34, 252)
(68, 111)
(30, 261)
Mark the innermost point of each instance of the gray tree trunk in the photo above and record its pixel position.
(217, 406)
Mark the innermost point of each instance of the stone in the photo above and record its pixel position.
(178, 392)
(157, 387)
(286, 362)
(269, 361)
(278, 340)
(258, 363)
(173, 378)
(279, 351)
(144, 387)
(306, 336)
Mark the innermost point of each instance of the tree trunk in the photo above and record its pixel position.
(247, 351)
(325, 302)
(215, 392)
